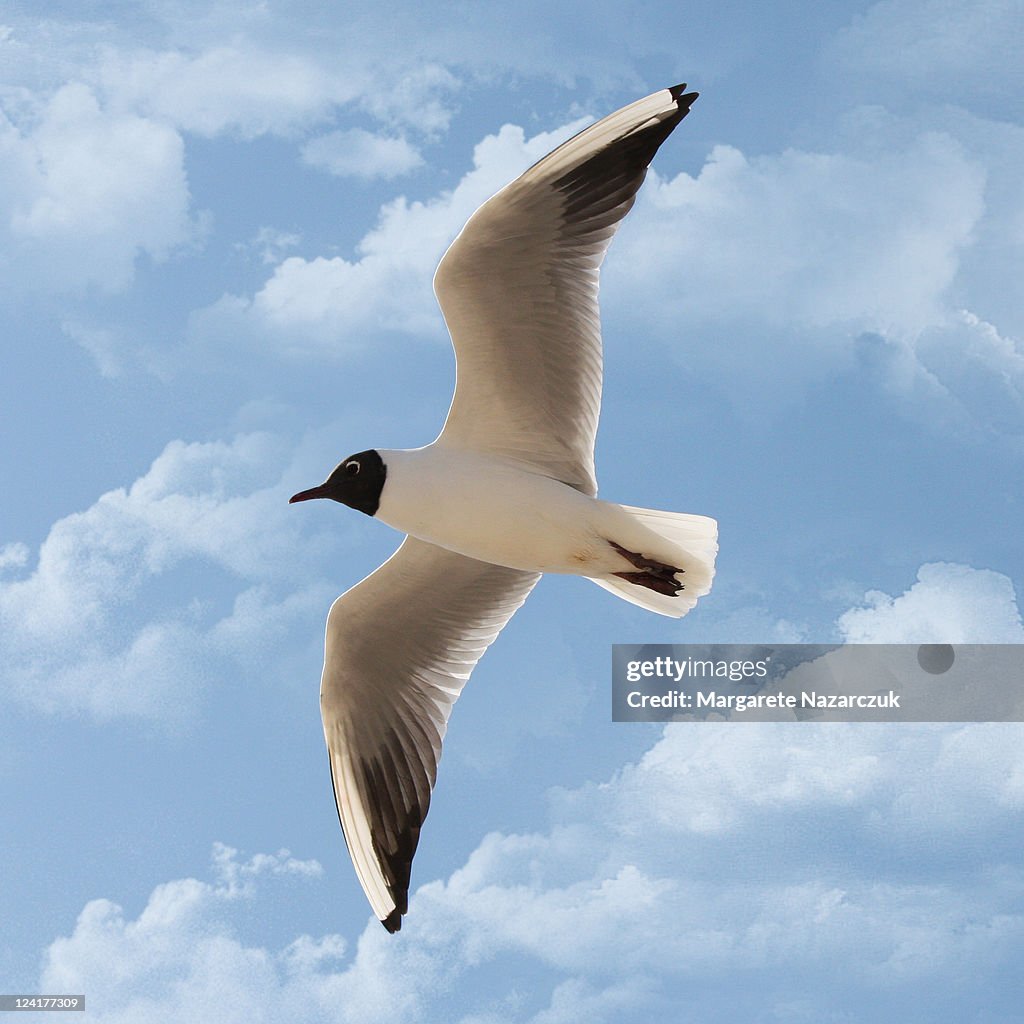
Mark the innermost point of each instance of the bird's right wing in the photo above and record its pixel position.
(400, 646)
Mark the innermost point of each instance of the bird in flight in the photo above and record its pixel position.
(505, 493)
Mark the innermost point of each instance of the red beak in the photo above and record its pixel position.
(313, 492)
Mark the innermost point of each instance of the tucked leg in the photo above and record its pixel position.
(654, 575)
(659, 584)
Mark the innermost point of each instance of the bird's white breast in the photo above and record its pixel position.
(491, 510)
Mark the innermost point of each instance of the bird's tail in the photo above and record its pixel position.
(671, 540)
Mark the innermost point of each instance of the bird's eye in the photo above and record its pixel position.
(352, 468)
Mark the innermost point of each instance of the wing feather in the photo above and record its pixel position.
(400, 646)
(518, 289)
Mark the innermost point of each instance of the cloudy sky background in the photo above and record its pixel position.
(218, 225)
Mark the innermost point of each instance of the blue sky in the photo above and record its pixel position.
(218, 225)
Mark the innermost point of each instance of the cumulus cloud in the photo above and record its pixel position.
(167, 963)
(782, 270)
(768, 274)
(358, 153)
(812, 238)
(416, 98)
(269, 245)
(243, 88)
(949, 603)
(251, 86)
(726, 869)
(237, 878)
(231, 69)
(13, 555)
(92, 149)
(84, 190)
(952, 48)
(981, 368)
(103, 344)
(787, 258)
(325, 305)
(103, 625)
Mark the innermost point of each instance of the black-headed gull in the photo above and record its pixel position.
(505, 493)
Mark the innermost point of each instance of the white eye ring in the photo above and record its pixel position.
(352, 467)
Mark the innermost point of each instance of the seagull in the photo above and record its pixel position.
(505, 493)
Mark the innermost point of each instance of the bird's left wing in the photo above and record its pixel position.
(400, 646)
(518, 289)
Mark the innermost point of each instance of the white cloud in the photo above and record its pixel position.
(949, 603)
(100, 626)
(415, 98)
(969, 359)
(753, 624)
(101, 343)
(772, 273)
(728, 866)
(167, 963)
(239, 878)
(13, 555)
(823, 845)
(711, 862)
(182, 955)
(269, 244)
(703, 787)
(789, 257)
(84, 190)
(243, 88)
(361, 154)
(234, 69)
(92, 158)
(781, 269)
(955, 48)
(324, 306)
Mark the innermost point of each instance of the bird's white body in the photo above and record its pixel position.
(489, 508)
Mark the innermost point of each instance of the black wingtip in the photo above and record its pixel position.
(393, 922)
(683, 98)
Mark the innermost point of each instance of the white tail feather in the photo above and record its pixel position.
(676, 538)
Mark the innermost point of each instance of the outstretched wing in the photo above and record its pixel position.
(400, 646)
(518, 289)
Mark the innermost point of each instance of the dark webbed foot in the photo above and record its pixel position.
(653, 575)
(659, 584)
